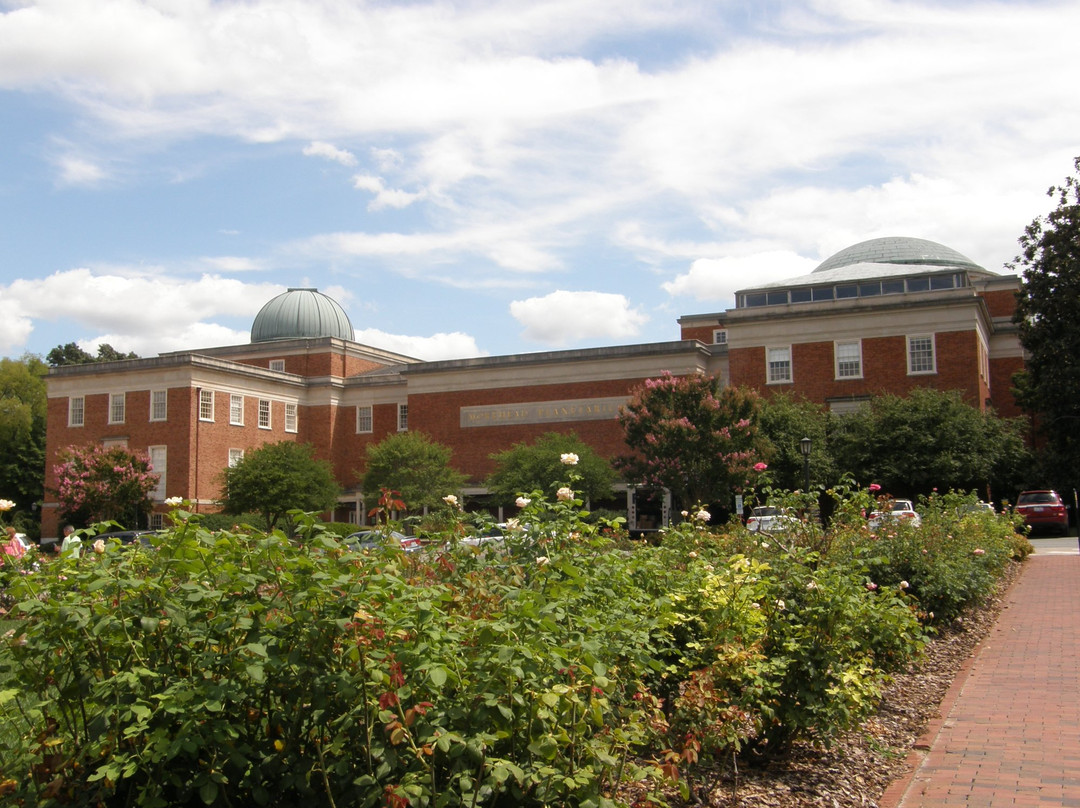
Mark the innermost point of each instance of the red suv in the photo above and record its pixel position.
(1043, 510)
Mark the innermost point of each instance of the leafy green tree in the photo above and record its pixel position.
(928, 439)
(1048, 314)
(23, 405)
(415, 466)
(693, 436)
(95, 483)
(71, 354)
(527, 467)
(277, 478)
(785, 420)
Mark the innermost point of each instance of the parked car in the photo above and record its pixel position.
(902, 511)
(143, 537)
(1043, 510)
(769, 519)
(374, 539)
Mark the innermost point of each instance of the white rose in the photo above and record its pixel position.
(569, 459)
(564, 494)
(521, 502)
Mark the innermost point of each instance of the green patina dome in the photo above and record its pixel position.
(301, 314)
(898, 250)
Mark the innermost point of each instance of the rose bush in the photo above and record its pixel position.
(551, 668)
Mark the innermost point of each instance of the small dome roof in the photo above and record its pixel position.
(898, 250)
(299, 314)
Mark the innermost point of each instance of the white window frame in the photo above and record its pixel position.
(236, 409)
(770, 363)
(235, 456)
(266, 411)
(277, 364)
(912, 368)
(403, 417)
(719, 336)
(117, 408)
(160, 468)
(76, 411)
(206, 405)
(291, 416)
(159, 405)
(840, 364)
(365, 419)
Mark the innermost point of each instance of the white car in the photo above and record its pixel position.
(902, 511)
(769, 519)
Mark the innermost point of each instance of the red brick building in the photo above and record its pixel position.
(882, 316)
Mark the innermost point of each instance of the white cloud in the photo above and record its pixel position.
(330, 152)
(719, 278)
(79, 171)
(140, 311)
(384, 197)
(454, 345)
(565, 318)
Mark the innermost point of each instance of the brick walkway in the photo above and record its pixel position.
(1010, 728)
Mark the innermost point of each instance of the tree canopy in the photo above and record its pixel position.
(277, 478)
(928, 439)
(23, 405)
(785, 420)
(693, 436)
(71, 354)
(415, 466)
(527, 467)
(1048, 314)
(95, 483)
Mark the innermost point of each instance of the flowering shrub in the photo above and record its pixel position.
(240, 668)
(102, 483)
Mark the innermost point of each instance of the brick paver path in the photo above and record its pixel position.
(1010, 733)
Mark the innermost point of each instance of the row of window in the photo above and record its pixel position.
(159, 409)
(365, 423)
(847, 359)
(844, 291)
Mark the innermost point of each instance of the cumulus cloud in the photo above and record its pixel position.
(565, 318)
(719, 278)
(455, 345)
(384, 197)
(140, 311)
(330, 152)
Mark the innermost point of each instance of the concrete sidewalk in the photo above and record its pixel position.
(1009, 733)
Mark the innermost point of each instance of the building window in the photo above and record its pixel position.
(76, 411)
(402, 417)
(157, 521)
(116, 408)
(719, 336)
(264, 413)
(206, 405)
(158, 464)
(848, 359)
(363, 418)
(277, 364)
(290, 417)
(159, 405)
(920, 352)
(235, 456)
(236, 409)
(779, 362)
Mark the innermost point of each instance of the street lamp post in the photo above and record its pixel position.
(804, 446)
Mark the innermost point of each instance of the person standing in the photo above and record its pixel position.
(71, 542)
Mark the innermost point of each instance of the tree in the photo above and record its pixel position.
(693, 436)
(23, 404)
(524, 468)
(926, 440)
(277, 478)
(785, 420)
(415, 466)
(97, 483)
(1048, 314)
(72, 354)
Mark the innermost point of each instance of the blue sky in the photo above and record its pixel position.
(482, 178)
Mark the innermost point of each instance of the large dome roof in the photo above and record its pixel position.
(301, 313)
(898, 250)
